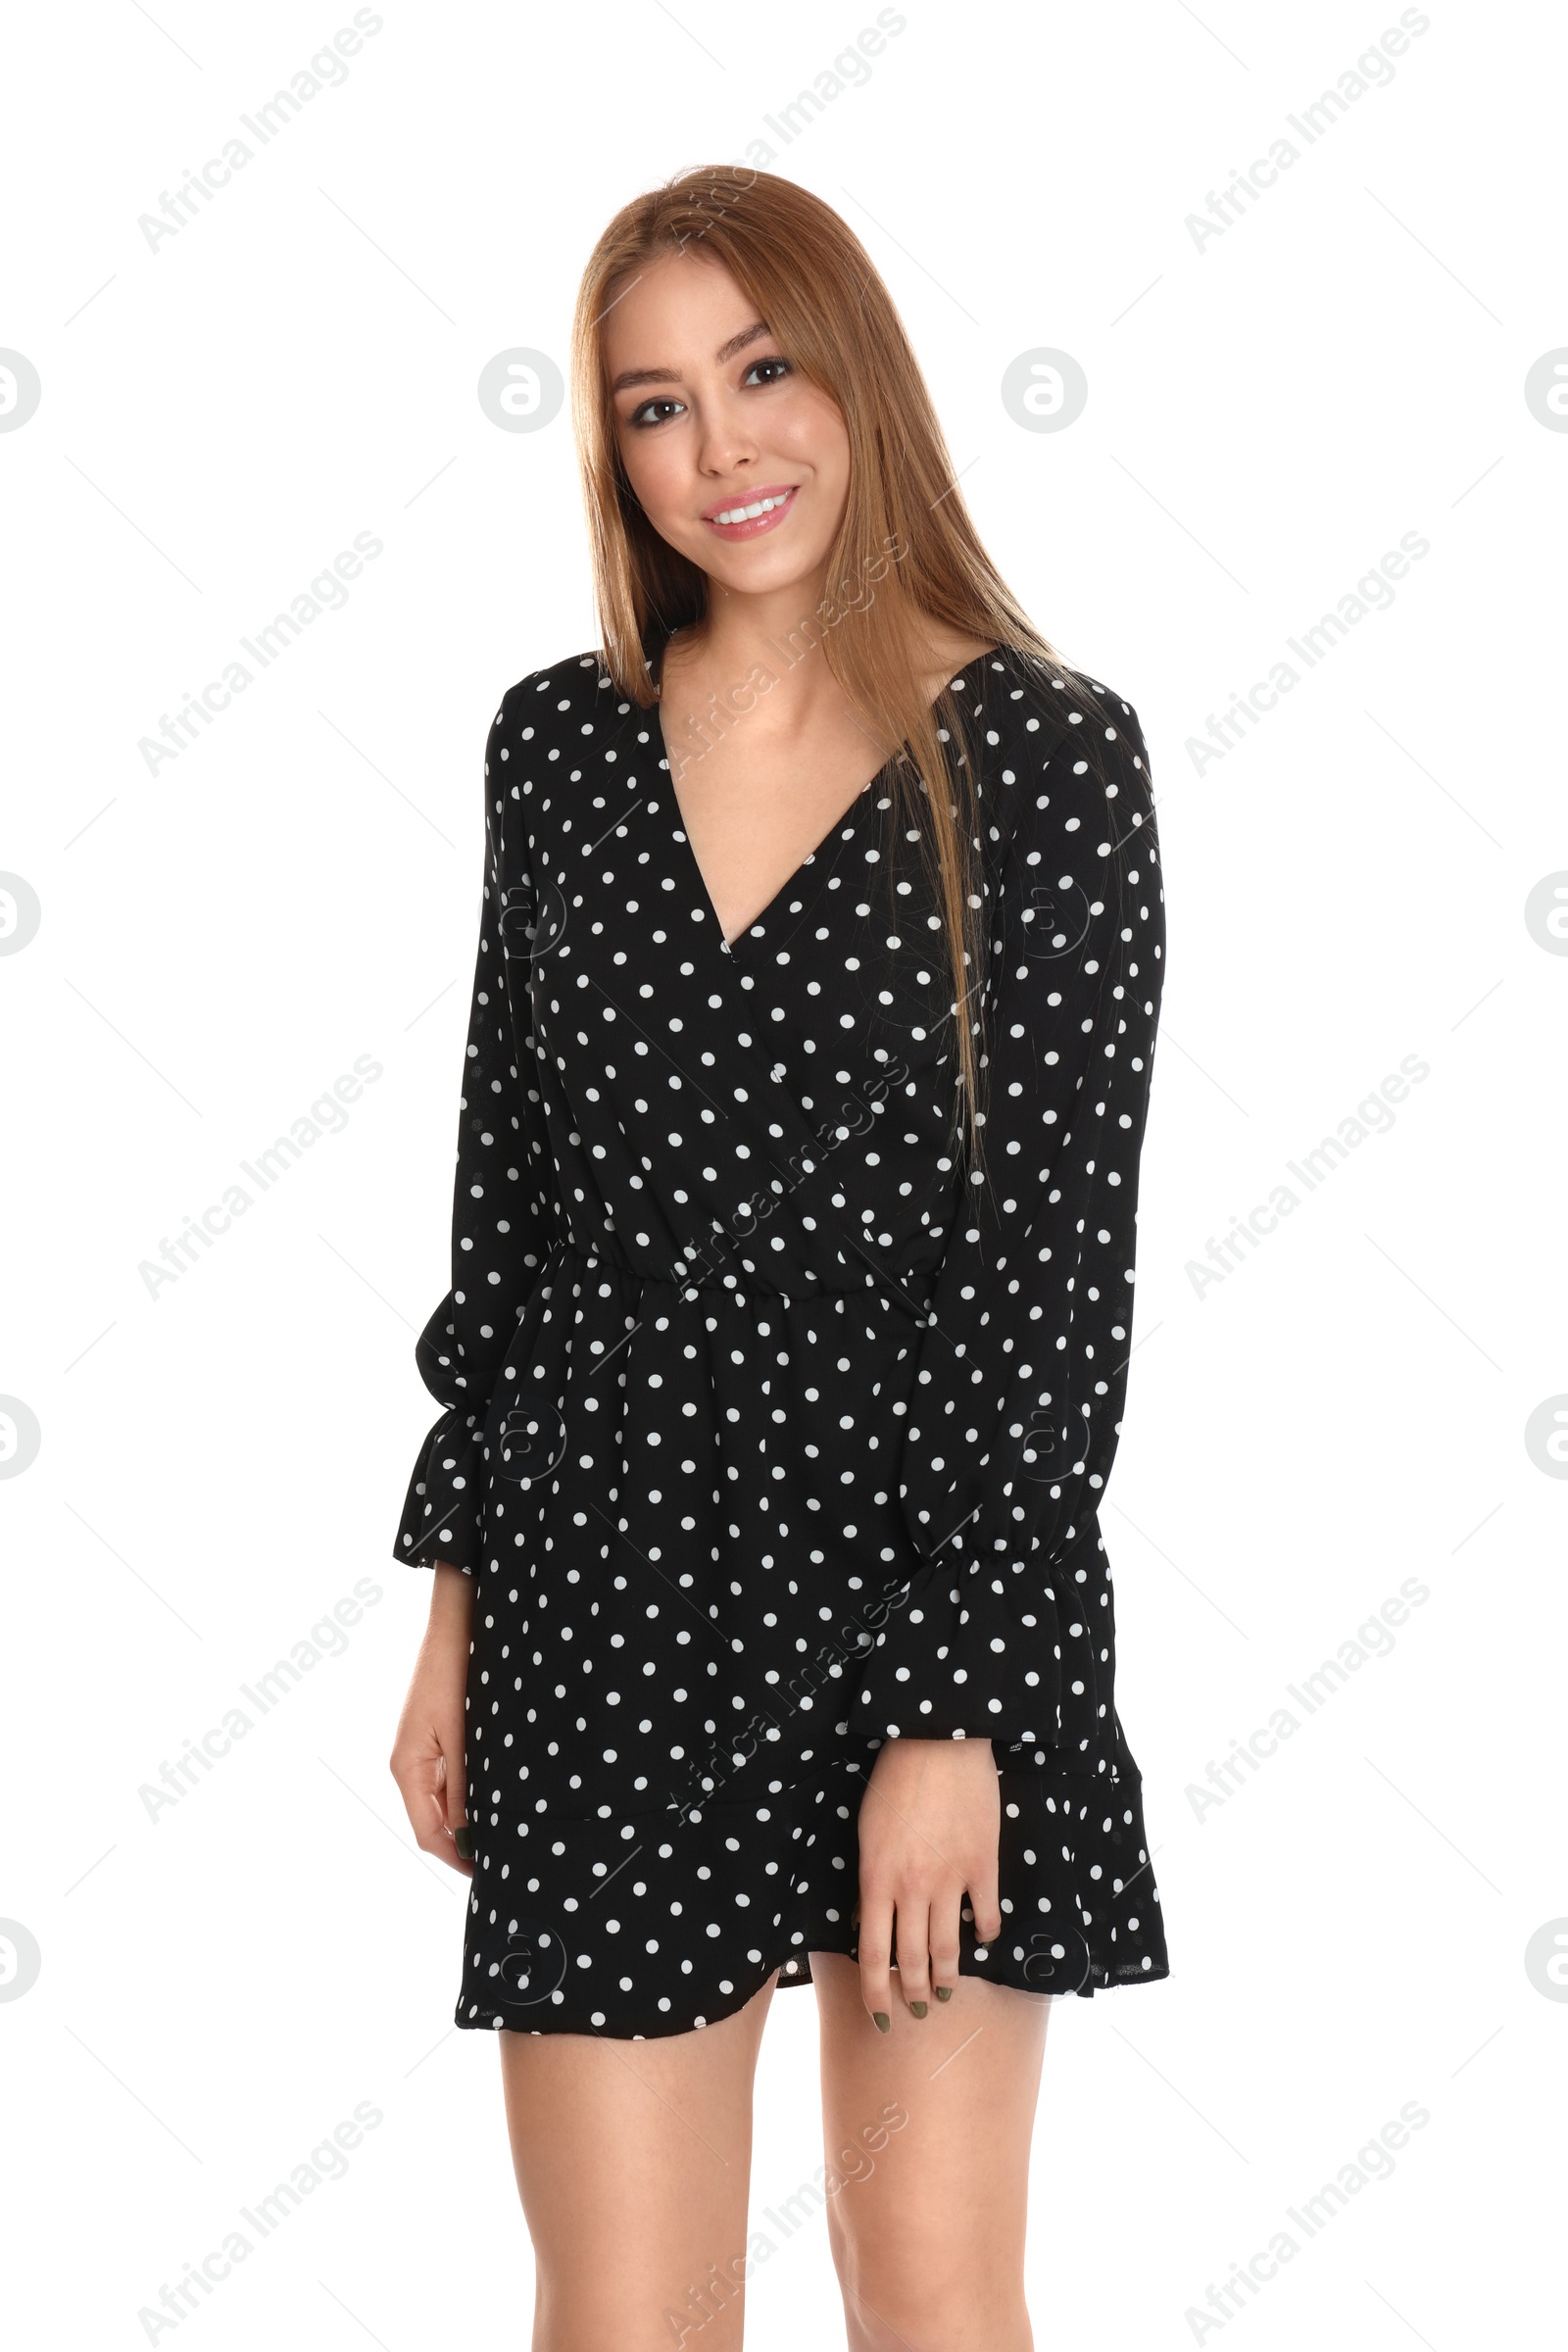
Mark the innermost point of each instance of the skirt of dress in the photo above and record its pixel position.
(661, 1771)
(670, 1920)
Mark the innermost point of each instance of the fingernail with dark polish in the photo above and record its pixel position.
(944, 1993)
(463, 1839)
(884, 2023)
(919, 2007)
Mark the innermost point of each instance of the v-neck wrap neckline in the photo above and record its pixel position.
(843, 827)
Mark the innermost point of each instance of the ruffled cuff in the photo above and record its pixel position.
(971, 1654)
(994, 1650)
(443, 1512)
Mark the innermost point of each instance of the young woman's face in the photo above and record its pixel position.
(711, 418)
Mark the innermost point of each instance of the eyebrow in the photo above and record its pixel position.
(629, 376)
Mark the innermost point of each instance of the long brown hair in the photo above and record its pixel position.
(809, 277)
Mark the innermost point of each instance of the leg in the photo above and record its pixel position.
(927, 2229)
(634, 2161)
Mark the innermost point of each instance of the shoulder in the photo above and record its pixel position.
(553, 700)
(551, 729)
(1063, 708)
(1063, 755)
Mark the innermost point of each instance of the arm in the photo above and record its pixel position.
(503, 1204)
(1003, 1650)
(502, 1207)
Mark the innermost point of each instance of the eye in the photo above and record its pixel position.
(781, 365)
(642, 418)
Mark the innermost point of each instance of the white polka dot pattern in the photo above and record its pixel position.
(770, 1433)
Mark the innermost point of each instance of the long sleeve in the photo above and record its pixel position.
(1014, 1408)
(503, 1210)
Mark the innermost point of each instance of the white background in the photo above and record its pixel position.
(1267, 414)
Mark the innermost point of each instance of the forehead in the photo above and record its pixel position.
(678, 313)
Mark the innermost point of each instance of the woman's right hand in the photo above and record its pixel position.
(427, 1752)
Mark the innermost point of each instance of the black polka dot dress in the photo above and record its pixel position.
(772, 1431)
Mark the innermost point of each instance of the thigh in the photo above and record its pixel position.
(926, 2134)
(633, 2163)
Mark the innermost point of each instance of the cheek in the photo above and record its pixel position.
(814, 430)
(654, 471)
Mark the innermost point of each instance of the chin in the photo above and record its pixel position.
(758, 579)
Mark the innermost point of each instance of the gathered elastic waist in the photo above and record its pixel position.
(694, 1280)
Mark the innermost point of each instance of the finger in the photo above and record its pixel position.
(457, 1835)
(945, 1944)
(983, 1897)
(877, 1951)
(453, 1790)
(419, 1786)
(915, 1955)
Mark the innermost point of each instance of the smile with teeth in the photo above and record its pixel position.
(760, 505)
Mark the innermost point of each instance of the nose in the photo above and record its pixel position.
(724, 446)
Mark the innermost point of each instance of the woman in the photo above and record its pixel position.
(771, 1637)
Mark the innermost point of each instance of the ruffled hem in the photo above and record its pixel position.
(634, 1929)
(791, 1970)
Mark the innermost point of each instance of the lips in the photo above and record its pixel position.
(753, 525)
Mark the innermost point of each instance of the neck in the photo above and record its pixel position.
(772, 642)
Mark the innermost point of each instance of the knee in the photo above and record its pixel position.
(902, 2300)
(915, 2325)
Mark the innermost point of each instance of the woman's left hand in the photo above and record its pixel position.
(930, 1829)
